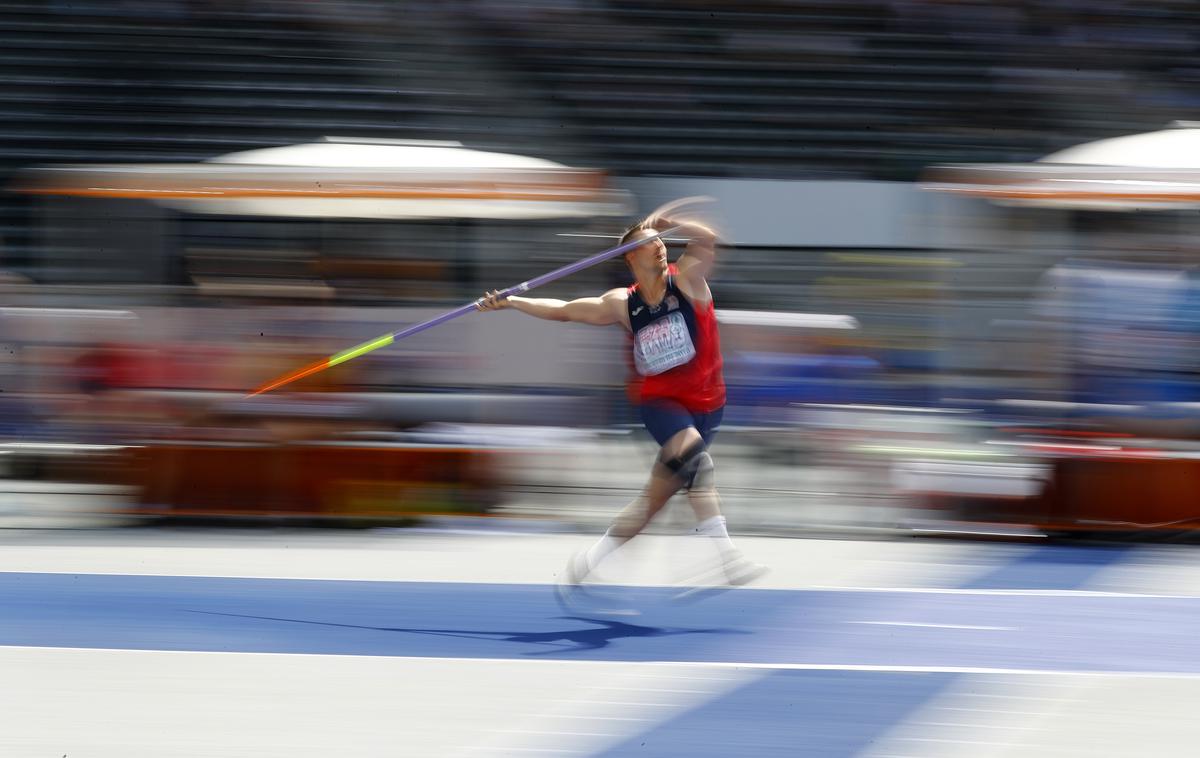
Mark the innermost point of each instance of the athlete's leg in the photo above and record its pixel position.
(683, 463)
(706, 504)
(623, 528)
(671, 426)
(702, 488)
(663, 484)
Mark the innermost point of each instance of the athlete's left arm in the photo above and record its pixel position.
(697, 261)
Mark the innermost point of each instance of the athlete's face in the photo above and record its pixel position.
(650, 256)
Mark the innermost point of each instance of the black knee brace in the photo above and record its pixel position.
(693, 462)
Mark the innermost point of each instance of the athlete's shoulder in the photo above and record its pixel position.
(699, 298)
(617, 302)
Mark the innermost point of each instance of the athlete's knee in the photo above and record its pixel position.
(693, 467)
(703, 477)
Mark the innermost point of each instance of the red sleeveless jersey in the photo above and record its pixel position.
(675, 351)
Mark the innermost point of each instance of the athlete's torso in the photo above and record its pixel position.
(676, 350)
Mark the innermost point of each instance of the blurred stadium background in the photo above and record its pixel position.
(958, 299)
(899, 359)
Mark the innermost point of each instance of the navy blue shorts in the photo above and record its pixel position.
(666, 418)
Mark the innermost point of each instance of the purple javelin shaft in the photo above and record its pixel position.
(537, 281)
(388, 339)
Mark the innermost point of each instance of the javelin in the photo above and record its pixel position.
(387, 339)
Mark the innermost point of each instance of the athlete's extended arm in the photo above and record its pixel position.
(607, 309)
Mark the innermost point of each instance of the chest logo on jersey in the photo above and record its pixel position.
(662, 345)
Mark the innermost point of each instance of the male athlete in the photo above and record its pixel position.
(679, 387)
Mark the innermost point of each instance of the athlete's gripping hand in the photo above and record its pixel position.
(492, 301)
(676, 212)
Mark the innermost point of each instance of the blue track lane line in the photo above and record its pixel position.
(461, 620)
(792, 714)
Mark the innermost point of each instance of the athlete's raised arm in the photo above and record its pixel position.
(697, 260)
(604, 310)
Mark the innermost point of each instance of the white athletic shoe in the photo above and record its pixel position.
(735, 571)
(574, 596)
(577, 569)
(741, 570)
(569, 589)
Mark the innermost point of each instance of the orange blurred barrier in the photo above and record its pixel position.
(1130, 493)
(335, 481)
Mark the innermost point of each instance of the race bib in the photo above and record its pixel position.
(662, 345)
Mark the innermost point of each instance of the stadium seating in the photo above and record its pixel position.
(759, 89)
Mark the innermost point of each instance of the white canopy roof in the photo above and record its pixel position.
(344, 178)
(341, 152)
(1176, 147)
(1151, 171)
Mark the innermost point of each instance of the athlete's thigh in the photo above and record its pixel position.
(708, 423)
(672, 426)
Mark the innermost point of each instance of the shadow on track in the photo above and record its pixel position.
(600, 635)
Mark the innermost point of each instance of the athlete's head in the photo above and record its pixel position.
(648, 257)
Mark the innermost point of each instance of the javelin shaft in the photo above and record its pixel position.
(462, 310)
(580, 265)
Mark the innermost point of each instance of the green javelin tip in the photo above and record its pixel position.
(358, 350)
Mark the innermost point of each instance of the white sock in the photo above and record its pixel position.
(599, 551)
(715, 528)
